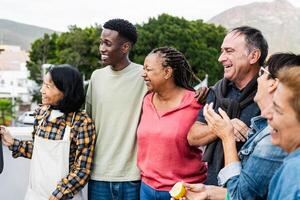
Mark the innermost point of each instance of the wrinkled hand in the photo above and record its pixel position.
(194, 192)
(201, 94)
(7, 139)
(53, 198)
(183, 198)
(203, 192)
(219, 124)
(199, 187)
(240, 130)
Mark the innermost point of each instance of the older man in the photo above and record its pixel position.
(247, 175)
(243, 51)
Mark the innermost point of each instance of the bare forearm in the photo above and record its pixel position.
(200, 135)
(216, 192)
(230, 151)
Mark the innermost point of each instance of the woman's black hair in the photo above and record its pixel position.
(69, 81)
(279, 60)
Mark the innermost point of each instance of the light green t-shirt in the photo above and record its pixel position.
(114, 101)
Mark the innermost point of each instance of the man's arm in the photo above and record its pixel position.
(200, 135)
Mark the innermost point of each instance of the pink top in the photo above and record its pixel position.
(164, 155)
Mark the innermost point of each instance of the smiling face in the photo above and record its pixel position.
(154, 73)
(285, 126)
(111, 48)
(235, 58)
(50, 94)
(265, 88)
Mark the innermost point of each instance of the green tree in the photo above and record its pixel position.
(198, 41)
(42, 51)
(78, 47)
(5, 111)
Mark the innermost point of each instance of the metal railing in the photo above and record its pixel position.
(14, 178)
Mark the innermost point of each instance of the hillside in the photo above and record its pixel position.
(278, 20)
(14, 33)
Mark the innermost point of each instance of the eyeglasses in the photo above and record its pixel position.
(263, 70)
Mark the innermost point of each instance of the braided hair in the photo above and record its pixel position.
(182, 71)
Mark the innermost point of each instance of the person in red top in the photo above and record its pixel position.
(169, 110)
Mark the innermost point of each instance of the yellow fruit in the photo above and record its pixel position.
(178, 190)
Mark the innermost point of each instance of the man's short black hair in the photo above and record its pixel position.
(126, 29)
(69, 81)
(254, 39)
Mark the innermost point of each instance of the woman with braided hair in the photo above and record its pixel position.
(169, 110)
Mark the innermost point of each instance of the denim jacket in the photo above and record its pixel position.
(249, 179)
(285, 184)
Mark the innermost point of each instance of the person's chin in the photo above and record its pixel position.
(150, 89)
(255, 99)
(275, 139)
(104, 64)
(227, 76)
(45, 103)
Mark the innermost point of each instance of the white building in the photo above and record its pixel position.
(14, 82)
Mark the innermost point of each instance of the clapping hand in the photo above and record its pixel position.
(220, 124)
(240, 130)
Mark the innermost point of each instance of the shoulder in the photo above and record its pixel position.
(293, 164)
(289, 174)
(40, 111)
(210, 96)
(82, 118)
(98, 72)
(265, 148)
(139, 66)
(190, 98)
(136, 67)
(218, 84)
(83, 126)
(148, 97)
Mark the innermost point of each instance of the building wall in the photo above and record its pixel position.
(14, 82)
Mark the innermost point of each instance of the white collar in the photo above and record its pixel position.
(55, 114)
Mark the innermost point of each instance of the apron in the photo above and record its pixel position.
(49, 164)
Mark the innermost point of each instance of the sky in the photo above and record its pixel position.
(59, 14)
